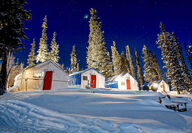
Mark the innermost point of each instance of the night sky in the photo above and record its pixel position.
(133, 22)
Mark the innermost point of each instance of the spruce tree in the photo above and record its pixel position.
(43, 52)
(174, 73)
(97, 55)
(31, 56)
(189, 54)
(116, 59)
(138, 70)
(12, 18)
(157, 68)
(182, 64)
(148, 68)
(73, 60)
(54, 54)
(124, 63)
(129, 59)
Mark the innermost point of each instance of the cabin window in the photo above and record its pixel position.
(122, 83)
(38, 74)
(84, 77)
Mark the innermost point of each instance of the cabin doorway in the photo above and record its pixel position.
(128, 84)
(93, 81)
(48, 80)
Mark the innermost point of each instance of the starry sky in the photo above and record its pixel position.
(128, 22)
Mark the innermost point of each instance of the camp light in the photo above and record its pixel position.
(155, 85)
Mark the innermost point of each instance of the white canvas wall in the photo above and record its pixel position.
(59, 77)
(100, 79)
(123, 78)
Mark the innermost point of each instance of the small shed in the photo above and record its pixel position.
(122, 81)
(87, 78)
(43, 76)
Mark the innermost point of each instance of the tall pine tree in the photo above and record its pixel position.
(189, 54)
(54, 54)
(129, 59)
(180, 57)
(43, 52)
(116, 59)
(150, 73)
(31, 56)
(97, 55)
(174, 73)
(73, 60)
(124, 63)
(157, 68)
(12, 18)
(138, 70)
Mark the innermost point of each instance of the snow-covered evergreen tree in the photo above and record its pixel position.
(73, 60)
(174, 73)
(129, 59)
(12, 18)
(124, 63)
(97, 55)
(43, 52)
(180, 57)
(31, 56)
(157, 68)
(189, 54)
(116, 59)
(54, 54)
(150, 73)
(138, 70)
(190, 49)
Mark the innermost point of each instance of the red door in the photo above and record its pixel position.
(93, 81)
(128, 84)
(47, 80)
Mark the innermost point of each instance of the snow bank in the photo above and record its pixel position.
(90, 110)
(17, 116)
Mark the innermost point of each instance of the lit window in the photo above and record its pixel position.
(38, 74)
(122, 83)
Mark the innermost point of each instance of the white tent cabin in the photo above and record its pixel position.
(122, 81)
(87, 78)
(43, 76)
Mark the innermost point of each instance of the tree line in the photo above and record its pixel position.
(12, 31)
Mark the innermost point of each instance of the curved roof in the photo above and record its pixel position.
(75, 73)
(111, 79)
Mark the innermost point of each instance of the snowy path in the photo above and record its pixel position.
(80, 110)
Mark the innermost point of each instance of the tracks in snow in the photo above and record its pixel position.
(24, 117)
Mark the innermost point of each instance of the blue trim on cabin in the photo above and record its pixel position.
(75, 79)
(80, 72)
(113, 84)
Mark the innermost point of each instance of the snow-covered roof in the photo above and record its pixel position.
(44, 63)
(75, 73)
(111, 79)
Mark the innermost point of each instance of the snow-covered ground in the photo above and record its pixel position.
(90, 110)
